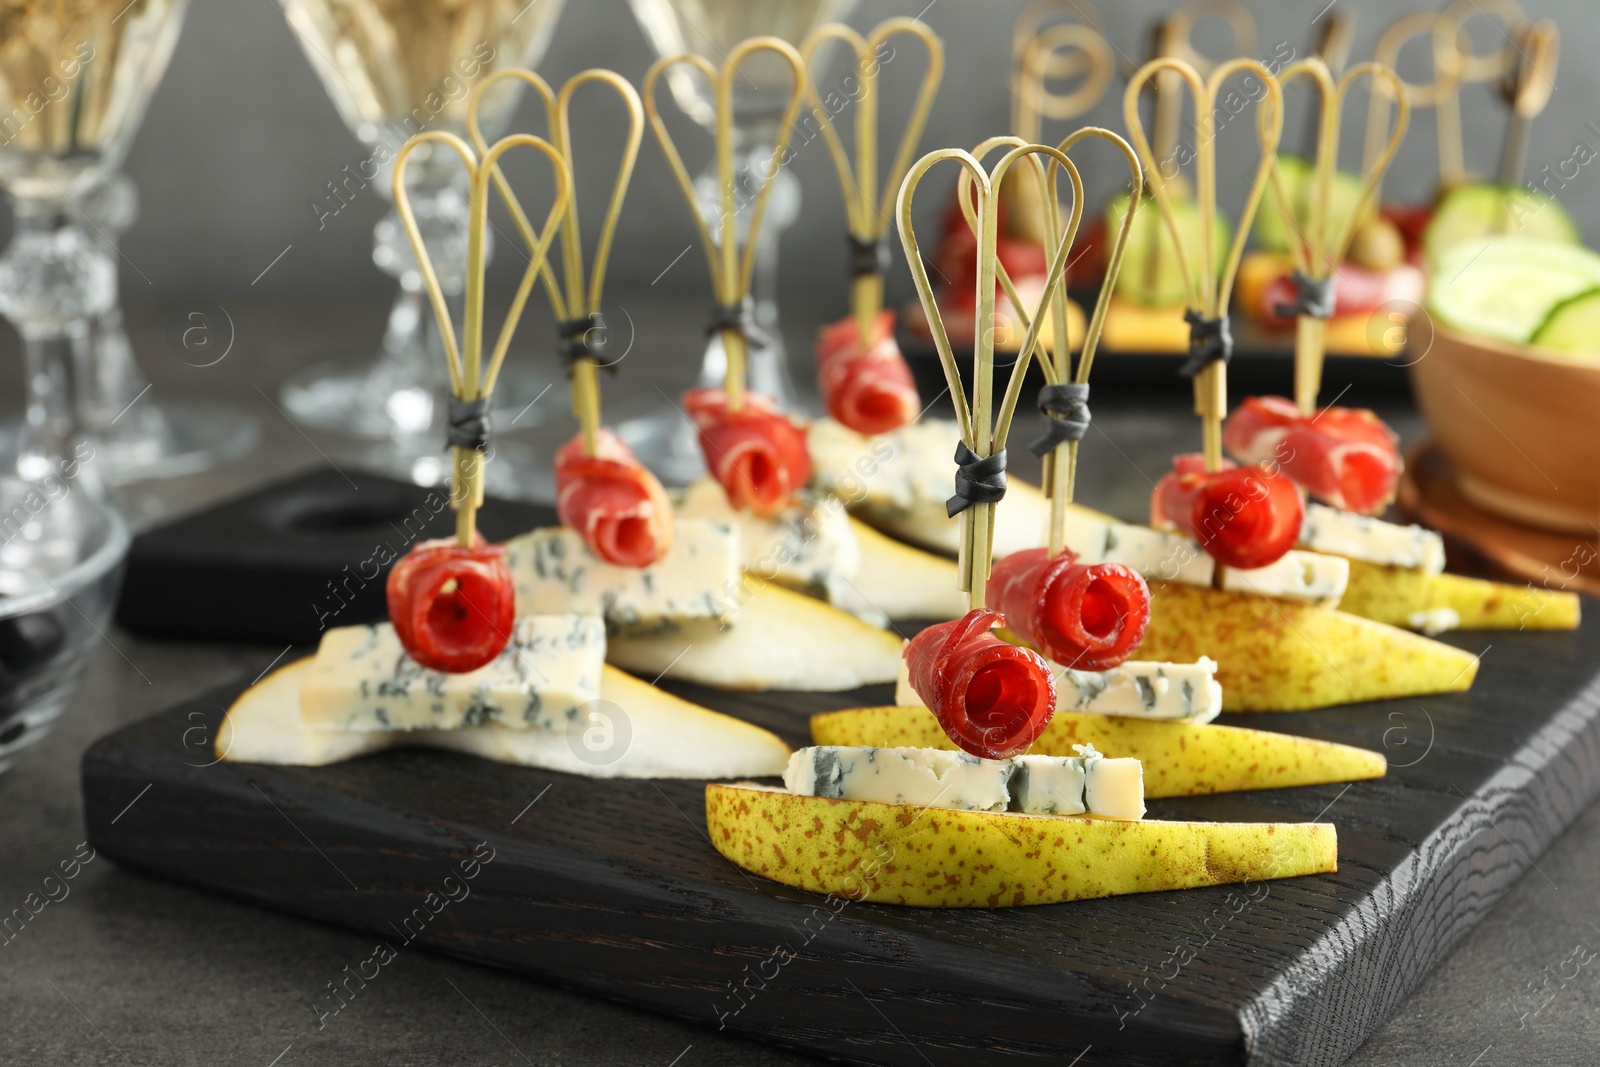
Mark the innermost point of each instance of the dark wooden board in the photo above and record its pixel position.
(612, 887)
(307, 552)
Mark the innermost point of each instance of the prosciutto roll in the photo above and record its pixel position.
(866, 383)
(756, 454)
(1346, 457)
(1089, 618)
(1245, 517)
(614, 503)
(993, 699)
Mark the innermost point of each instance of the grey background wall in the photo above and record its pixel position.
(240, 138)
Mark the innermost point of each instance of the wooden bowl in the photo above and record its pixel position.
(1521, 425)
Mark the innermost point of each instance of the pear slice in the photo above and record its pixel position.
(1278, 655)
(1405, 597)
(904, 582)
(1180, 759)
(941, 858)
(777, 639)
(633, 731)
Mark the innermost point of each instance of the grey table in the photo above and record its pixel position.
(126, 969)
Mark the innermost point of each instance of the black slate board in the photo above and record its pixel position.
(304, 553)
(613, 888)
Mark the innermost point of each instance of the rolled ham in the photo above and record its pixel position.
(757, 454)
(614, 503)
(993, 699)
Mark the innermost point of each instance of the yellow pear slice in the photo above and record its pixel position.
(1401, 596)
(633, 731)
(904, 582)
(1180, 759)
(939, 858)
(1278, 655)
(777, 639)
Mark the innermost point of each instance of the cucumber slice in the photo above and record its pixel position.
(1150, 273)
(1482, 209)
(1344, 199)
(1504, 287)
(1572, 325)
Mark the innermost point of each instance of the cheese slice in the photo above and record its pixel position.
(1307, 576)
(899, 482)
(655, 735)
(1344, 533)
(555, 572)
(810, 546)
(362, 679)
(778, 639)
(941, 778)
(1171, 692)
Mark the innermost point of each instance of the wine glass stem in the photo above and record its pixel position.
(53, 443)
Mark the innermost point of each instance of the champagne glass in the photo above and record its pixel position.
(394, 68)
(143, 438)
(711, 28)
(75, 78)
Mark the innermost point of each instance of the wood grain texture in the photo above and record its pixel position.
(612, 887)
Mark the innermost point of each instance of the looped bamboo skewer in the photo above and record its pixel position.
(1442, 94)
(1496, 62)
(983, 425)
(1317, 253)
(867, 210)
(471, 380)
(1063, 51)
(579, 299)
(1527, 89)
(1210, 297)
(730, 272)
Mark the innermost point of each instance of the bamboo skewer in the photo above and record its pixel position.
(582, 296)
(1316, 251)
(1442, 94)
(984, 423)
(867, 209)
(730, 271)
(1527, 89)
(1062, 52)
(1209, 299)
(472, 381)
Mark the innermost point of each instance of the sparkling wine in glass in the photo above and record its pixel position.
(394, 68)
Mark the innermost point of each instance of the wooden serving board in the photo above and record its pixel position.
(613, 888)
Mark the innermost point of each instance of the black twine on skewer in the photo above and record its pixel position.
(868, 255)
(468, 423)
(584, 338)
(1313, 297)
(740, 317)
(979, 480)
(1065, 408)
(1210, 340)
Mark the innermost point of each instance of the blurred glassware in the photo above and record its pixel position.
(711, 28)
(75, 78)
(394, 68)
(61, 556)
(145, 438)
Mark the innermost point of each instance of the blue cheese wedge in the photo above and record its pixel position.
(1159, 555)
(810, 546)
(1171, 692)
(555, 572)
(1297, 576)
(930, 777)
(362, 679)
(899, 482)
(1113, 788)
(1087, 783)
(1344, 533)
